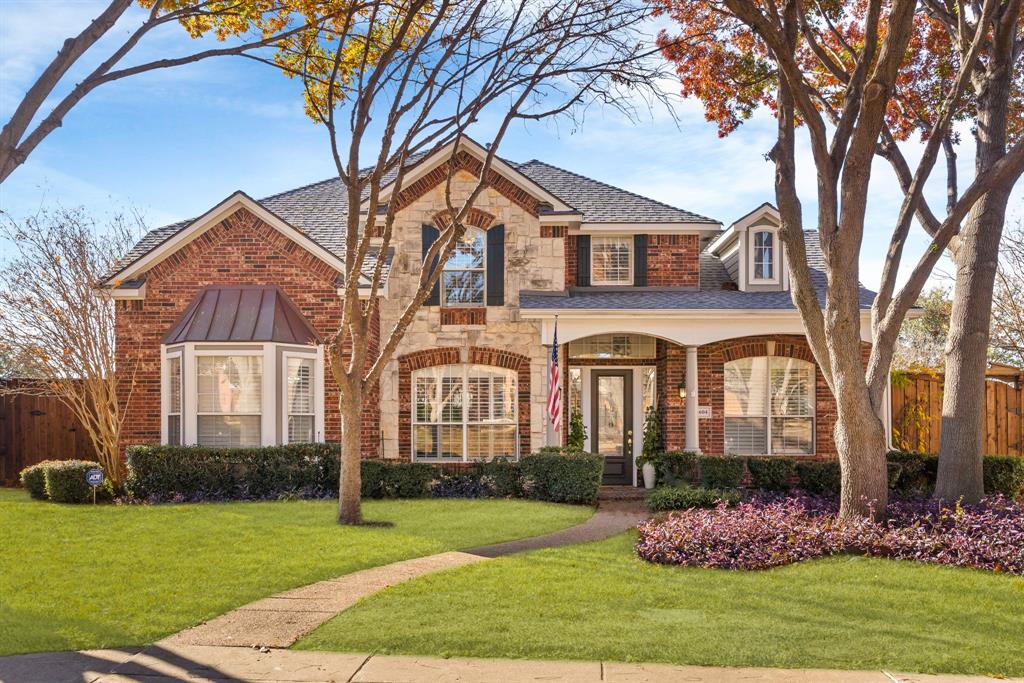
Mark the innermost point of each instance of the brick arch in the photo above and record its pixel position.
(787, 347)
(477, 355)
(475, 217)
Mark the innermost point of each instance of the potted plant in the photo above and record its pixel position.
(651, 448)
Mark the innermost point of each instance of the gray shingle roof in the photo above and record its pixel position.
(710, 296)
(320, 209)
(603, 203)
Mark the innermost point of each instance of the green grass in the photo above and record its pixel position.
(74, 577)
(597, 601)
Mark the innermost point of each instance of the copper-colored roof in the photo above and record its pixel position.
(251, 313)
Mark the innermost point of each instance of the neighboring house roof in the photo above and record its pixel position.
(251, 313)
(711, 294)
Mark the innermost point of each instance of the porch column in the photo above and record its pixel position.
(692, 428)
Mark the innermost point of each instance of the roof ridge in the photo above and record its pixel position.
(620, 189)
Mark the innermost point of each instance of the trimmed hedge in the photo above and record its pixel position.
(1004, 474)
(33, 478)
(65, 481)
(720, 472)
(820, 477)
(771, 473)
(666, 498)
(560, 476)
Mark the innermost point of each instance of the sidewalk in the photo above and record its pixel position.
(206, 664)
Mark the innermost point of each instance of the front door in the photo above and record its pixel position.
(612, 423)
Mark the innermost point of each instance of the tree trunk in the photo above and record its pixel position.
(963, 402)
(860, 442)
(977, 257)
(350, 482)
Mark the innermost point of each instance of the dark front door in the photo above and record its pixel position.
(612, 422)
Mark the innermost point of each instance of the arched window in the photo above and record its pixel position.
(464, 412)
(464, 277)
(769, 406)
(764, 255)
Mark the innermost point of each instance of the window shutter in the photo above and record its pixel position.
(496, 266)
(582, 260)
(639, 260)
(430, 235)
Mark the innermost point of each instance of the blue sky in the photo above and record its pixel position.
(173, 143)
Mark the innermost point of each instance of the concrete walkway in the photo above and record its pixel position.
(280, 620)
(199, 664)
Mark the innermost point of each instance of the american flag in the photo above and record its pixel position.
(554, 386)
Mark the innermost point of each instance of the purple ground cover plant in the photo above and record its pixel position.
(769, 532)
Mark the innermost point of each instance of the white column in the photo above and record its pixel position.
(692, 427)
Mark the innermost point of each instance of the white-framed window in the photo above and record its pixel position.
(769, 406)
(300, 404)
(464, 413)
(229, 400)
(614, 346)
(464, 276)
(242, 395)
(172, 420)
(764, 255)
(611, 260)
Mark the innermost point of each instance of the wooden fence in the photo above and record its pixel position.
(917, 413)
(35, 428)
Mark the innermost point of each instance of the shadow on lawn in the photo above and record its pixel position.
(136, 664)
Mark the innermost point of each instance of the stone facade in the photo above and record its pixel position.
(534, 260)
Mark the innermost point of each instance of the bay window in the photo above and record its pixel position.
(769, 406)
(242, 395)
(464, 413)
(611, 260)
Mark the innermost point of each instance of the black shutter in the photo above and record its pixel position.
(582, 260)
(430, 235)
(496, 266)
(640, 260)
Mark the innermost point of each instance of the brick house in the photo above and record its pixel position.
(655, 306)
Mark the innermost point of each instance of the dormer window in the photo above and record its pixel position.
(611, 261)
(764, 255)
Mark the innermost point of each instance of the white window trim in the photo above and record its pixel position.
(612, 283)
(274, 388)
(465, 423)
(776, 261)
(481, 269)
(770, 416)
(165, 392)
(318, 391)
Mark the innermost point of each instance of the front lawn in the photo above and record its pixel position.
(74, 577)
(597, 601)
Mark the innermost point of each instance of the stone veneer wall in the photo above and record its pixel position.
(241, 250)
(534, 259)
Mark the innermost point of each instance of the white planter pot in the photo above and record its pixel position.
(649, 475)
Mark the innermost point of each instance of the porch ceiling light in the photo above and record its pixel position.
(682, 391)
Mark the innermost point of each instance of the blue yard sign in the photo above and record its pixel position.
(94, 477)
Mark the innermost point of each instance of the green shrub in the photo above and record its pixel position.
(720, 472)
(375, 478)
(506, 478)
(410, 479)
(561, 476)
(1004, 474)
(771, 473)
(33, 478)
(676, 467)
(894, 470)
(820, 477)
(917, 471)
(65, 481)
(577, 432)
(665, 498)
